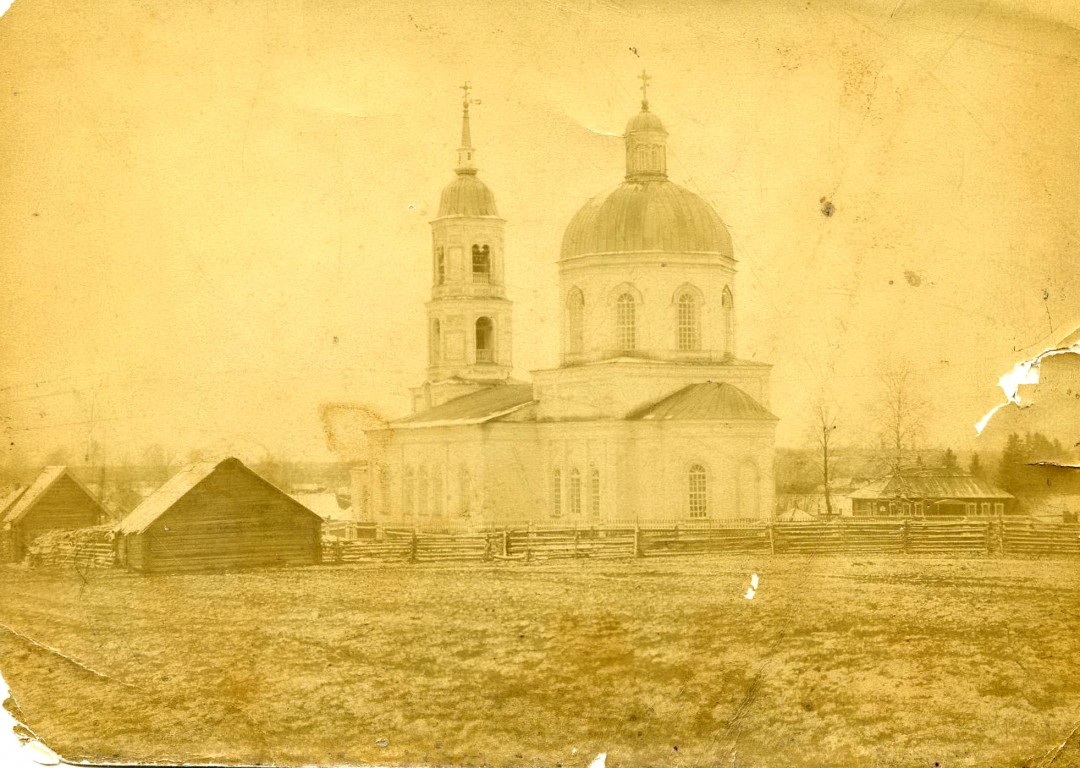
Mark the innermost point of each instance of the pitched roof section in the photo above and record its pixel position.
(178, 486)
(708, 401)
(25, 502)
(474, 408)
(9, 499)
(158, 502)
(930, 486)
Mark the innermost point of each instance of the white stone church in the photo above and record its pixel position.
(650, 416)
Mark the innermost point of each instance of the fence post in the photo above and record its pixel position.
(413, 546)
(905, 537)
(577, 535)
(638, 552)
(772, 538)
(1001, 534)
(528, 542)
(505, 543)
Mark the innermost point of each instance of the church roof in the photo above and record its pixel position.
(467, 196)
(474, 408)
(656, 215)
(708, 401)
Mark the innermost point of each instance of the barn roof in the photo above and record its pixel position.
(930, 486)
(178, 486)
(19, 503)
(707, 401)
(9, 499)
(474, 408)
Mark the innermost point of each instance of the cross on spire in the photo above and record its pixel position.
(465, 91)
(644, 78)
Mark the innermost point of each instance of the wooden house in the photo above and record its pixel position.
(55, 501)
(218, 516)
(932, 494)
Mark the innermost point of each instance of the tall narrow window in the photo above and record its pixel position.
(385, 484)
(689, 325)
(408, 492)
(438, 496)
(698, 496)
(575, 492)
(440, 266)
(594, 491)
(481, 263)
(464, 490)
(436, 342)
(485, 340)
(575, 319)
(556, 493)
(626, 322)
(728, 304)
(423, 492)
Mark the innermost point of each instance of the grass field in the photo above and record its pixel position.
(837, 661)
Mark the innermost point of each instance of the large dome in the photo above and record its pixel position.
(467, 196)
(646, 216)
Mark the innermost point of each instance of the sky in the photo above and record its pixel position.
(214, 215)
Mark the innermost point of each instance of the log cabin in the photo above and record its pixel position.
(55, 501)
(215, 517)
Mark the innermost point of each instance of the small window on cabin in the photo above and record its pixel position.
(481, 263)
(919, 508)
(698, 491)
(556, 493)
(689, 324)
(999, 508)
(485, 340)
(575, 492)
(907, 509)
(971, 506)
(985, 509)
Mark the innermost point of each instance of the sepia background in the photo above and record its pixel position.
(213, 216)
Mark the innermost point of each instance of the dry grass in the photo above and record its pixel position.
(837, 661)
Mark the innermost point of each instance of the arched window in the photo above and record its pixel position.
(464, 490)
(728, 304)
(485, 340)
(436, 342)
(575, 492)
(689, 323)
(594, 490)
(556, 492)
(423, 492)
(481, 263)
(698, 491)
(408, 493)
(575, 319)
(626, 322)
(385, 484)
(440, 266)
(438, 497)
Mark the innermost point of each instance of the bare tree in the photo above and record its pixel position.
(824, 429)
(901, 412)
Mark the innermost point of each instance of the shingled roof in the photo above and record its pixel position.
(707, 401)
(930, 486)
(18, 503)
(474, 408)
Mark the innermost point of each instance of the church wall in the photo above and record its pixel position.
(613, 390)
(602, 279)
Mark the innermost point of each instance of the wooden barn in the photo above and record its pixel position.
(55, 501)
(218, 516)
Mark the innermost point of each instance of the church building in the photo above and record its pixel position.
(651, 415)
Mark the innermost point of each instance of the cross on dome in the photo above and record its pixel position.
(644, 77)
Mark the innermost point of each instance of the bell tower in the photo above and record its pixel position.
(469, 316)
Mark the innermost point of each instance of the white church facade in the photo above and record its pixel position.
(650, 414)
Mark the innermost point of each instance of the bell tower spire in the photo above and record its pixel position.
(469, 316)
(646, 141)
(465, 151)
